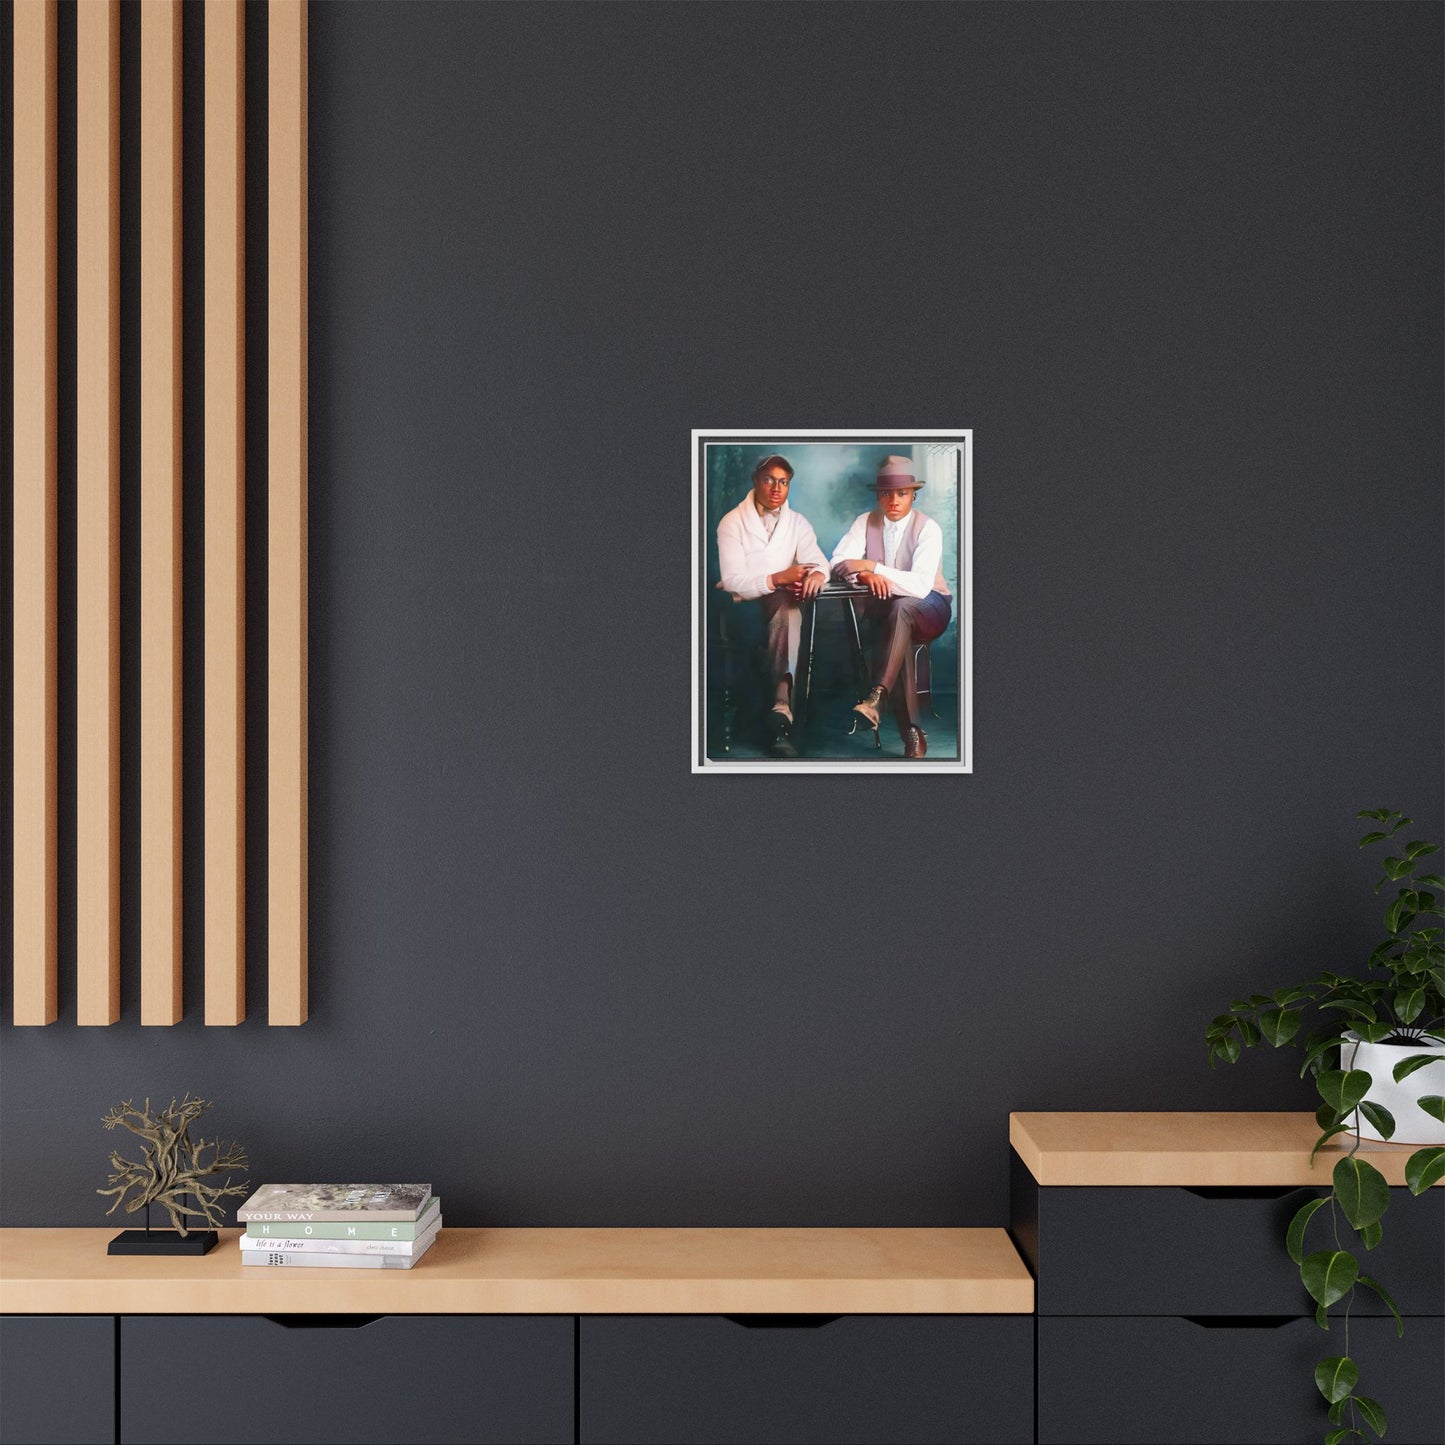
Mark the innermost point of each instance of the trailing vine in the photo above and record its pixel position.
(1405, 1006)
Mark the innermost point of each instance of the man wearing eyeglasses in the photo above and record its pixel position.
(769, 556)
(897, 554)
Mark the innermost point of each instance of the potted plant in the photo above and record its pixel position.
(1377, 1054)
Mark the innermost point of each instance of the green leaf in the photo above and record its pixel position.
(1400, 912)
(1384, 1294)
(1379, 954)
(1357, 1007)
(1325, 1139)
(1433, 1105)
(1397, 867)
(1336, 1377)
(1329, 1275)
(1420, 849)
(1346, 1432)
(1361, 1191)
(1249, 1031)
(1279, 1025)
(1432, 880)
(1378, 813)
(1373, 1413)
(1380, 1117)
(1322, 1318)
(1400, 822)
(1423, 1168)
(1343, 1089)
(1294, 1240)
(1374, 1033)
(1336, 1412)
(1227, 1049)
(1406, 1067)
(1326, 1117)
(1372, 1234)
(1371, 838)
(1408, 1003)
(1318, 1047)
(1287, 996)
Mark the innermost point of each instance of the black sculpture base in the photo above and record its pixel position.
(163, 1241)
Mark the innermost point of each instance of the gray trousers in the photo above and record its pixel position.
(773, 626)
(899, 624)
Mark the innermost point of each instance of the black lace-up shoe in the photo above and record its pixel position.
(780, 736)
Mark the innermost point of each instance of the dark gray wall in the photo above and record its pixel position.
(1179, 267)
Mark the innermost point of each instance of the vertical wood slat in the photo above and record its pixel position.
(97, 543)
(160, 522)
(286, 541)
(34, 705)
(225, 513)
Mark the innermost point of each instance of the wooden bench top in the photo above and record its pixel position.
(1193, 1150)
(543, 1271)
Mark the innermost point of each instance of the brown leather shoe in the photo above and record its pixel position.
(871, 708)
(915, 741)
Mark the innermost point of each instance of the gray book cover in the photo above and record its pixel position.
(319, 1203)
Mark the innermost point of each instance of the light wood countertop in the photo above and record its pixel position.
(1193, 1150)
(543, 1271)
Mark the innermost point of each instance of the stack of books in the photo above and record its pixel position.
(339, 1226)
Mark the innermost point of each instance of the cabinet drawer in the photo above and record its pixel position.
(1158, 1250)
(322, 1378)
(1178, 1382)
(806, 1378)
(58, 1379)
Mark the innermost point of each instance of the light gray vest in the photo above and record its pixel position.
(904, 560)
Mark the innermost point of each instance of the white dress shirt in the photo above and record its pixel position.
(748, 555)
(892, 534)
(918, 580)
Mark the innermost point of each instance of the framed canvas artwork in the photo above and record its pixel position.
(832, 601)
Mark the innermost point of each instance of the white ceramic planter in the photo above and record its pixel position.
(1412, 1124)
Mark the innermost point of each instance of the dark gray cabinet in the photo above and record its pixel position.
(1175, 1251)
(314, 1379)
(1174, 1315)
(779, 1379)
(1227, 1380)
(349, 1379)
(57, 1379)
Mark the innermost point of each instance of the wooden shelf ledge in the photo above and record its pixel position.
(1187, 1150)
(543, 1271)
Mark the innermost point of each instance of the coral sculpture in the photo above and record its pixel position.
(172, 1166)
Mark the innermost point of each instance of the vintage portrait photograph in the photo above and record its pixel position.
(832, 601)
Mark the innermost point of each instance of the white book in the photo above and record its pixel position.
(311, 1259)
(411, 1247)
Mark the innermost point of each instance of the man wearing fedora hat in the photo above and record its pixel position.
(771, 562)
(897, 553)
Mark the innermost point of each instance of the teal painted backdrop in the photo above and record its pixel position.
(830, 487)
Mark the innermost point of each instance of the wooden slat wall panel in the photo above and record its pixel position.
(34, 706)
(287, 648)
(160, 454)
(97, 539)
(225, 513)
(97, 543)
